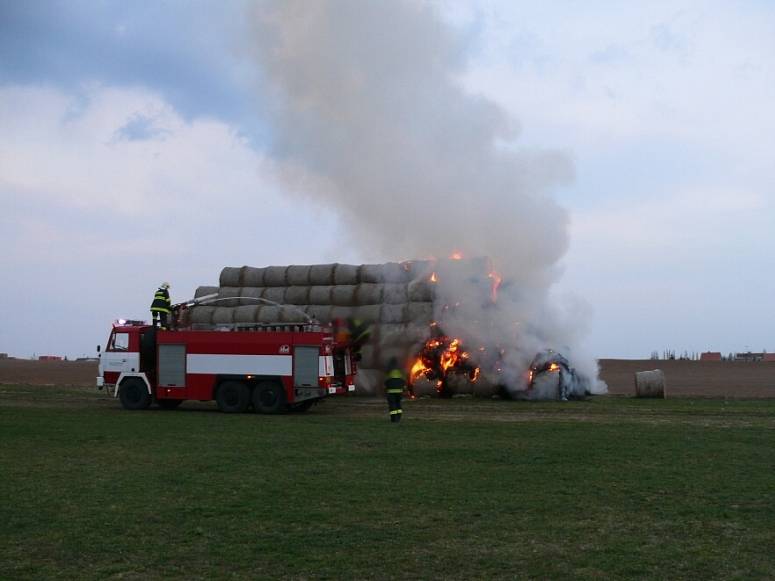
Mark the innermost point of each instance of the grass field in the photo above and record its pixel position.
(611, 487)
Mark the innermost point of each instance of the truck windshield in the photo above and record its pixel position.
(119, 342)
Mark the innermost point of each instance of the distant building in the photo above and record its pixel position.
(769, 357)
(710, 356)
(750, 356)
(50, 358)
(3, 355)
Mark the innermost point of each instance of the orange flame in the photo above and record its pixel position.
(434, 278)
(495, 283)
(457, 255)
(439, 357)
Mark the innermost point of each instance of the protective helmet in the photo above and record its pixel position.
(165, 285)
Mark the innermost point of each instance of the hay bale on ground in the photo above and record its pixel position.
(650, 384)
(421, 290)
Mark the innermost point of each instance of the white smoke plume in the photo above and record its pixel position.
(366, 99)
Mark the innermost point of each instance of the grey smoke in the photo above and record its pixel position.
(366, 105)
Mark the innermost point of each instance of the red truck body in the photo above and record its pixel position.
(274, 368)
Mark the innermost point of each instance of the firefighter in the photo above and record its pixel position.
(161, 306)
(359, 335)
(395, 383)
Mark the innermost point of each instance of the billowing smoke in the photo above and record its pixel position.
(366, 103)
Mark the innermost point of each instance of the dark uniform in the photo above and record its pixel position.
(395, 384)
(161, 307)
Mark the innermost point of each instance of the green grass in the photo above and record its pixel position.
(613, 487)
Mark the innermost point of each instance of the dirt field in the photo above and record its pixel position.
(684, 378)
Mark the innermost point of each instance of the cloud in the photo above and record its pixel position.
(96, 220)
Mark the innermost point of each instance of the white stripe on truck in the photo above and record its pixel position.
(240, 364)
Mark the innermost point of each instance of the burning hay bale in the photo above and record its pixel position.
(650, 384)
(433, 314)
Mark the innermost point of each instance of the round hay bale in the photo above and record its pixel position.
(320, 312)
(320, 295)
(343, 296)
(417, 269)
(367, 358)
(290, 314)
(276, 294)
(230, 293)
(368, 294)
(393, 272)
(252, 276)
(393, 314)
(298, 275)
(223, 316)
(421, 290)
(366, 313)
(322, 274)
(246, 313)
(201, 315)
(342, 312)
(395, 294)
(369, 381)
(230, 276)
(203, 291)
(650, 384)
(250, 295)
(275, 276)
(419, 313)
(297, 295)
(370, 273)
(345, 274)
(424, 387)
(269, 314)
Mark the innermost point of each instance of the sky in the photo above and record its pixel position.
(138, 145)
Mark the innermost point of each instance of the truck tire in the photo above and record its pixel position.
(233, 397)
(133, 394)
(269, 397)
(169, 404)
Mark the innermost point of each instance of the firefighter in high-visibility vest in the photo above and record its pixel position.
(161, 307)
(395, 384)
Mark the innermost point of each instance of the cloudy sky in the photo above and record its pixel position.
(137, 145)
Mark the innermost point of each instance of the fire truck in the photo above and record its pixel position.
(271, 368)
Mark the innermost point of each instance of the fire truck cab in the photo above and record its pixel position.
(273, 368)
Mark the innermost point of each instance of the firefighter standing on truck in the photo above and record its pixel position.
(161, 307)
(395, 383)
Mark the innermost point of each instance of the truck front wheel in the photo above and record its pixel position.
(233, 397)
(269, 397)
(133, 394)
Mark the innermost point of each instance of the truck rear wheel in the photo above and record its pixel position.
(133, 394)
(233, 397)
(269, 397)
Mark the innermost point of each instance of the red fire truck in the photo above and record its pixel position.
(272, 368)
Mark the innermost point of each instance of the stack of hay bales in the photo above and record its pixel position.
(396, 299)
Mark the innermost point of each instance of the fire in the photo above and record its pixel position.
(495, 283)
(456, 256)
(440, 357)
(554, 367)
(434, 278)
